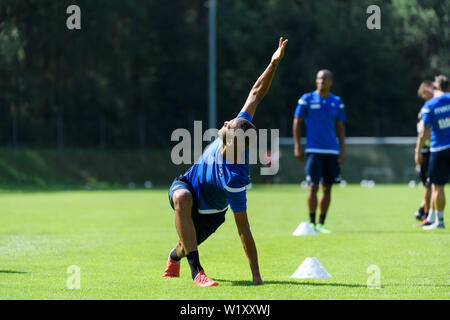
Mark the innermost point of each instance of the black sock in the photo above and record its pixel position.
(174, 256)
(322, 218)
(312, 218)
(194, 263)
(421, 211)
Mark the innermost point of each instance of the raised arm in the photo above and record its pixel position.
(262, 85)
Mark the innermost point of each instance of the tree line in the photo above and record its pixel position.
(137, 70)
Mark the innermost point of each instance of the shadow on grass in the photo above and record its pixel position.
(12, 271)
(245, 283)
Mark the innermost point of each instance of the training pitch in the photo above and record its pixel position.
(120, 241)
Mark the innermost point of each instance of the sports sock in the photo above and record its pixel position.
(322, 218)
(173, 255)
(421, 212)
(440, 215)
(312, 218)
(431, 216)
(194, 263)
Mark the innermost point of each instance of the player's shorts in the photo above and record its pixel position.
(322, 168)
(423, 174)
(205, 224)
(439, 167)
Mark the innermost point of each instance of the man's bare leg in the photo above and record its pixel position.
(182, 201)
(438, 197)
(177, 253)
(437, 207)
(312, 201)
(425, 206)
(427, 199)
(180, 250)
(324, 202)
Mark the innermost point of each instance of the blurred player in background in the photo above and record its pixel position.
(436, 120)
(426, 92)
(323, 114)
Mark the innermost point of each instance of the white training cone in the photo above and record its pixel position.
(304, 229)
(311, 269)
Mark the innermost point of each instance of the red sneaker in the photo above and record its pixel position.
(172, 269)
(202, 280)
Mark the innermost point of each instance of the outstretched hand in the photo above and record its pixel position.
(279, 54)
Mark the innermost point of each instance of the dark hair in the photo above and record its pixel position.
(244, 125)
(442, 83)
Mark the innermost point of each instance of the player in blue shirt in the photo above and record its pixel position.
(436, 118)
(426, 92)
(323, 113)
(219, 178)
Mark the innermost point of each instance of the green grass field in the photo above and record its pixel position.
(120, 241)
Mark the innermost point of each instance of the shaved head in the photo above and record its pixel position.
(326, 73)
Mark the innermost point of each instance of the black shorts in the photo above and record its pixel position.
(322, 168)
(424, 168)
(205, 224)
(439, 167)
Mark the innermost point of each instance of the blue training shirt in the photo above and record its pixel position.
(436, 113)
(320, 115)
(217, 183)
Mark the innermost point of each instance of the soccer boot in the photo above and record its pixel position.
(320, 228)
(202, 280)
(172, 269)
(420, 216)
(436, 225)
(423, 223)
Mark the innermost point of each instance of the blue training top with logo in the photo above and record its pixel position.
(320, 115)
(436, 113)
(217, 183)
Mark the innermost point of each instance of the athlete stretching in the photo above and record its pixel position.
(201, 196)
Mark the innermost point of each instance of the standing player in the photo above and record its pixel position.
(436, 118)
(426, 92)
(323, 114)
(201, 196)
